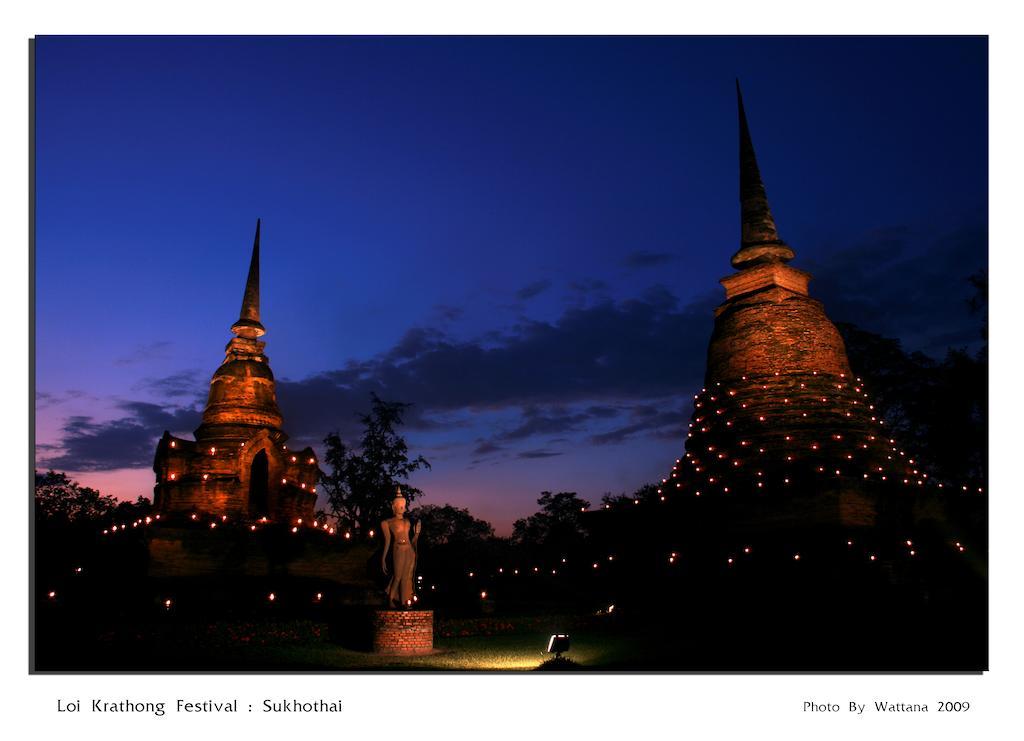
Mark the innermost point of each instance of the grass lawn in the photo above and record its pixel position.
(518, 652)
(291, 646)
(503, 644)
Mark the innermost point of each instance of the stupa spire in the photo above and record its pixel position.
(248, 324)
(759, 241)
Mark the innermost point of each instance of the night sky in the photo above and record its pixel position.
(520, 236)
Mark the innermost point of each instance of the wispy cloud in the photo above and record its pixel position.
(185, 383)
(538, 454)
(905, 284)
(533, 289)
(126, 442)
(486, 447)
(643, 259)
(144, 353)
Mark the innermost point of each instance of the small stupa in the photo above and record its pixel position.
(239, 464)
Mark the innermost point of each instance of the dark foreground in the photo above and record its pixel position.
(833, 603)
(763, 637)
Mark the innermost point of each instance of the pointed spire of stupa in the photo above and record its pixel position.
(248, 324)
(760, 238)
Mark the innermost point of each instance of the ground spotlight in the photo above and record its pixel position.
(558, 644)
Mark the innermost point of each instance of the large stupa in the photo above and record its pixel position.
(781, 417)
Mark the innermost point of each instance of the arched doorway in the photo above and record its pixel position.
(259, 483)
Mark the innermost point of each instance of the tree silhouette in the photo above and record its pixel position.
(445, 525)
(645, 494)
(556, 527)
(361, 482)
(937, 409)
(58, 499)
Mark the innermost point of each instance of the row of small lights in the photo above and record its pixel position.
(147, 520)
(673, 558)
(167, 603)
(814, 446)
(194, 517)
(213, 450)
(206, 476)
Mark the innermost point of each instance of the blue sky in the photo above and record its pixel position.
(521, 236)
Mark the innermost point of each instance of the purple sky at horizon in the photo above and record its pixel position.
(520, 236)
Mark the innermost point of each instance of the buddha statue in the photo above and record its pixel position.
(400, 538)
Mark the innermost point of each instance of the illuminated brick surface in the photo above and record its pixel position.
(403, 631)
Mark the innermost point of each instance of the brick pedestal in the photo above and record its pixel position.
(403, 631)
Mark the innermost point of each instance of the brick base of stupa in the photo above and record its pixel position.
(809, 446)
(236, 552)
(405, 632)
